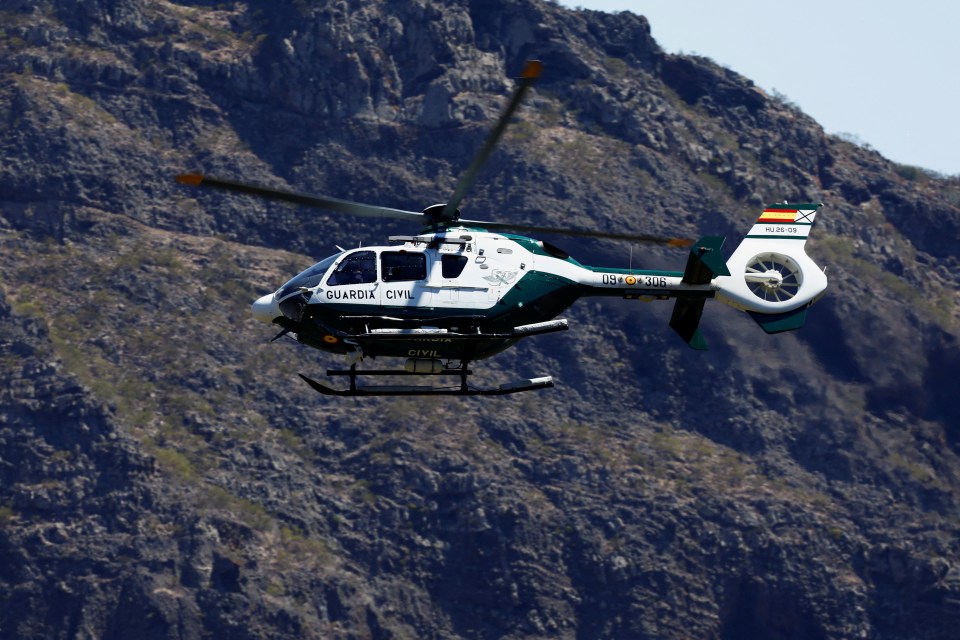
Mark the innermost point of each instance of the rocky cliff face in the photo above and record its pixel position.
(163, 473)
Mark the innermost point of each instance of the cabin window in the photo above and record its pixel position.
(399, 266)
(452, 265)
(359, 267)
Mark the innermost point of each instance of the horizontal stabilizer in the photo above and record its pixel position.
(686, 321)
(780, 322)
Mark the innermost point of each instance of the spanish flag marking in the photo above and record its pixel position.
(778, 215)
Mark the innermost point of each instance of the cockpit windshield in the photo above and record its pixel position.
(307, 279)
(360, 267)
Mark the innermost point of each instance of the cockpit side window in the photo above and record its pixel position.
(359, 267)
(452, 265)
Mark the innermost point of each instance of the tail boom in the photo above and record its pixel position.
(769, 275)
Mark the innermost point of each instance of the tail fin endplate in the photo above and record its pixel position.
(704, 263)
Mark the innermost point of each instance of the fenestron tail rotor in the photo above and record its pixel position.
(773, 277)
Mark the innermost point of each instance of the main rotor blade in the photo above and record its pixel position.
(321, 202)
(581, 233)
(531, 71)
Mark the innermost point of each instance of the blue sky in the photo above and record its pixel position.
(886, 72)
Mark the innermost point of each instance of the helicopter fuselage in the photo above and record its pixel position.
(429, 296)
(461, 291)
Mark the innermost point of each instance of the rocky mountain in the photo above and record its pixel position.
(165, 474)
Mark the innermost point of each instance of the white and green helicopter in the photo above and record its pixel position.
(464, 290)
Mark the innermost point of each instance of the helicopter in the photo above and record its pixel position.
(464, 290)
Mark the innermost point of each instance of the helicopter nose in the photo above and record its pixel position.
(266, 308)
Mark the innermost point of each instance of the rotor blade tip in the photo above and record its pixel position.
(192, 179)
(679, 242)
(532, 70)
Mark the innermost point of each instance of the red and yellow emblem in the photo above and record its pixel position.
(778, 215)
(630, 280)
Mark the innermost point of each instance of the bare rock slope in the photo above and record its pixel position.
(164, 473)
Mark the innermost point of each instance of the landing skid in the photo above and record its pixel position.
(412, 390)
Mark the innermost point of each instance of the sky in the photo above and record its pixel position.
(886, 72)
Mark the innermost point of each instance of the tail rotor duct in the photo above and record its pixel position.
(773, 277)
